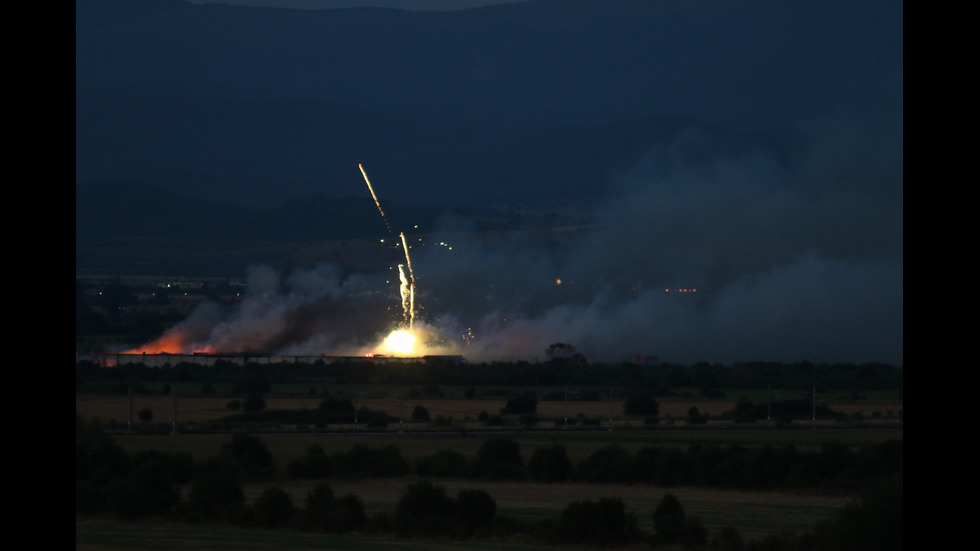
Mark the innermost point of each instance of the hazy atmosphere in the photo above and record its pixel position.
(718, 181)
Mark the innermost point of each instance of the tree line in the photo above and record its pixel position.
(658, 380)
(130, 487)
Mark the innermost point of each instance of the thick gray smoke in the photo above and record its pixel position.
(308, 312)
(792, 258)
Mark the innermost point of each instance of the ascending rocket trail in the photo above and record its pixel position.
(411, 284)
(407, 287)
(375, 197)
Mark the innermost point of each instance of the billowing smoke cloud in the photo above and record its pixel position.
(784, 258)
(308, 312)
(796, 258)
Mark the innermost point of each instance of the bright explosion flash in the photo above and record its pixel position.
(400, 342)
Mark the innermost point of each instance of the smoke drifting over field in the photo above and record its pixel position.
(785, 258)
(792, 260)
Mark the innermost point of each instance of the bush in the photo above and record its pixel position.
(424, 509)
(473, 508)
(420, 413)
(500, 459)
(214, 496)
(246, 455)
(174, 467)
(641, 405)
(362, 460)
(611, 463)
(274, 508)
(523, 403)
(668, 519)
(443, 463)
(314, 465)
(253, 403)
(603, 522)
(550, 464)
(146, 491)
(332, 515)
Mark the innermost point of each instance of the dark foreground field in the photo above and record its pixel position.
(756, 514)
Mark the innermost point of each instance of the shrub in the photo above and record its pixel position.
(500, 458)
(420, 413)
(641, 405)
(246, 455)
(314, 465)
(214, 496)
(550, 464)
(253, 403)
(145, 492)
(444, 463)
(424, 509)
(523, 403)
(668, 519)
(610, 463)
(473, 508)
(362, 460)
(603, 522)
(274, 508)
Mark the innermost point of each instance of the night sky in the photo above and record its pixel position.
(751, 151)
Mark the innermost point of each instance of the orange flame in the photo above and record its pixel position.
(172, 342)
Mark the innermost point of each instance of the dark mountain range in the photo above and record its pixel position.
(500, 104)
(116, 210)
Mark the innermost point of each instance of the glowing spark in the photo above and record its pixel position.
(375, 197)
(407, 285)
(403, 290)
(410, 283)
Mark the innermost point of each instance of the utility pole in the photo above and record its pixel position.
(566, 406)
(610, 410)
(401, 422)
(356, 400)
(769, 404)
(813, 396)
(173, 425)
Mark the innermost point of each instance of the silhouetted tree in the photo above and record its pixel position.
(274, 508)
(641, 405)
(472, 508)
(500, 458)
(246, 455)
(214, 496)
(526, 402)
(668, 519)
(550, 464)
(603, 522)
(424, 509)
(420, 413)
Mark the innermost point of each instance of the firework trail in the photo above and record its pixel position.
(375, 197)
(411, 283)
(407, 287)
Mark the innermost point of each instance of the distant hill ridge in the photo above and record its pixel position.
(113, 209)
(501, 104)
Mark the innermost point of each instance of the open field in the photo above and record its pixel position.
(198, 409)
(103, 535)
(755, 514)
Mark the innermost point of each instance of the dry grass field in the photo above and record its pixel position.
(197, 409)
(755, 514)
